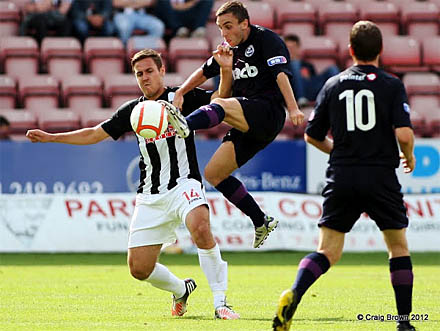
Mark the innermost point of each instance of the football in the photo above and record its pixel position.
(149, 119)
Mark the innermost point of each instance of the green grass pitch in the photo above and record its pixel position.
(96, 292)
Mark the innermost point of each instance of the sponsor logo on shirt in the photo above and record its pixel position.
(371, 76)
(167, 134)
(276, 60)
(249, 51)
(351, 77)
(247, 72)
(406, 107)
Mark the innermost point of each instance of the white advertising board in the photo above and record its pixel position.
(100, 222)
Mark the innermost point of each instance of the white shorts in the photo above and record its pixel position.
(156, 216)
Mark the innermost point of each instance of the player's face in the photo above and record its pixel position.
(232, 31)
(149, 78)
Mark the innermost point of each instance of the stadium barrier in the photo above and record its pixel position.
(99, 223)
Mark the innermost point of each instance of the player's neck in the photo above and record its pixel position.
(374, 63)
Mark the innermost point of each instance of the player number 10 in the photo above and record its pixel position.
(354, 109)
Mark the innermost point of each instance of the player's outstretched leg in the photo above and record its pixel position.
(235, 191)
(310, 268)
(286, 308)
(179, 305)
(176, 119)
(262, 232)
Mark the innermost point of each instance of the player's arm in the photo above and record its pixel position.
(195, 79)
(86, 136)
(296, 115)
(405, 137)
(325, 146)
(223, 56)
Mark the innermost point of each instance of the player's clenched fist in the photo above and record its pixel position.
(296, 116)
(36, 136)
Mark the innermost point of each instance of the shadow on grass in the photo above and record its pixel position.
(243, 258)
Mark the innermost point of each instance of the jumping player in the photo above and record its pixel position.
(169, 174)
(254, 91)
(366, 109)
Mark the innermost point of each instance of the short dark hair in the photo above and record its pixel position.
(237, 9)
(366, 40)
(4, 121)
(292, 37)
(147, 53)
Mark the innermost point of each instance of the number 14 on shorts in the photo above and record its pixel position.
(191, 196)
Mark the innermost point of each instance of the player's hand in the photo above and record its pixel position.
(178, 99)
(408, 164)
(296, 116)
(223, 55)
(38, 136)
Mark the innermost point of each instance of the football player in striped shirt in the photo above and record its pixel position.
(170, 190)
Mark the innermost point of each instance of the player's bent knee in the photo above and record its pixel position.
(141, 272)
(212, 176)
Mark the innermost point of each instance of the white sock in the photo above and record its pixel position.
(216, 271)
(164, 279)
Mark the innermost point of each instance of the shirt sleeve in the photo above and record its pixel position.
(195, 99)
(276, 54)
(319, 121)
(401, 109)
(119, 123)
(211, 68)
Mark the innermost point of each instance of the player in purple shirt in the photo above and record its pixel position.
(254, 91)
(366, 109)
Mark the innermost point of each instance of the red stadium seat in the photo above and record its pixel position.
(104, 56)
(9, 19)
(39, 92)
(294, 12)
(300, 29)
(182, 49)
(424, 101)
(138, 43)
(57, 120)
(82, 91)
(20, 120)
(212, 32)
(120, 88)
(20, 56)
(422, 83)
(261, 13)
(431, 52)
(401, 54)
(384, 14)
(335, 17)
(61, 56)
(419, 124)
(320, 50)
(8, 92)
(173, 79)
(186, 67)
(421, 19)
(429, 109)
(93, 117)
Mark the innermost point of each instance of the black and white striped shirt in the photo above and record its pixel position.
(168, 159)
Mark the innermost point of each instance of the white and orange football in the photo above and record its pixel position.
(149, 119)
